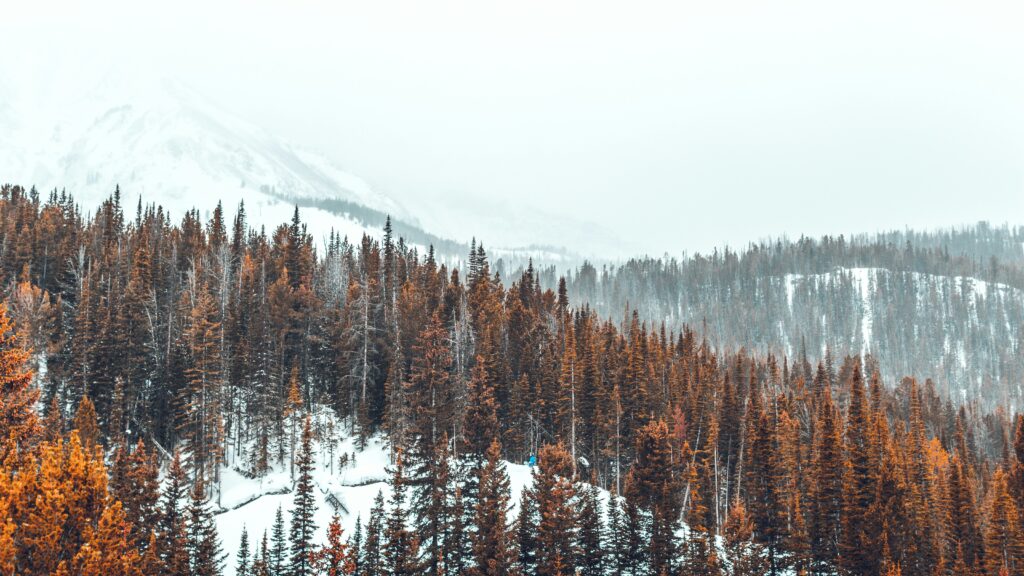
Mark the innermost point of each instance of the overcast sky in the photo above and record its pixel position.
(678, 125)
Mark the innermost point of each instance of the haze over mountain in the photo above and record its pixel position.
(165, 142)
(642, 119)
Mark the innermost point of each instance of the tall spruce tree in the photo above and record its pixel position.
(303, 507)
(204, 551)
(493, 554)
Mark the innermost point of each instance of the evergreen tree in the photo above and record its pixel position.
(493, 554)
(19, 423)
(859, 484)
(134, 480)
(400, 551)
(278, 554)
(526, 532)
(555, 494)
(1004, 547)
(745, 556)
(243, 566)
(371, 562)
(335, 558)
(302, 527)
(651, 487)
(203, 545)
(826, 487)
(86, 424)
(591, 560)
(173, 521)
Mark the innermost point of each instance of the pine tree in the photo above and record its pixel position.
(1004, 547)
(261, 559)
(172, 523)
(243, 566)
(278, 565)
(651, 487)
(203, 545)
(19, 423)
(615, 536)
(200, 403)
(303, 508)
(356, 545)
(107, 550)
(401, 547)
(434, 513)
(826, 487)
(293, 408)
(134, 480)
(591, 560)
(371, 562)
(492, 553)
(335, 558)
(86, 424)
(526, 532)
(859, 485)
(699, 556)
(481, 425)
(745, 557)
(557, 530)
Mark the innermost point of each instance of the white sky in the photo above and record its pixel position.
(678, 125)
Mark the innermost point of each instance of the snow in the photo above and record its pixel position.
(164, 143)
(252, 503)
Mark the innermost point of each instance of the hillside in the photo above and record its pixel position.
(946, 305)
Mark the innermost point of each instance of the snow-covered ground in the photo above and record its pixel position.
(252, 503)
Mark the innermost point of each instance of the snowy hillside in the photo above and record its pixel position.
(252, 503)
(163, 142)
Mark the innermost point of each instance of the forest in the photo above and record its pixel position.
(142, 357)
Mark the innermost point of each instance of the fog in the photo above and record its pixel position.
(675, 126)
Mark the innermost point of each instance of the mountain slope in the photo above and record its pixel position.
(162, 142)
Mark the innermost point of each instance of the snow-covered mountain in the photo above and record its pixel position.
(163, 142)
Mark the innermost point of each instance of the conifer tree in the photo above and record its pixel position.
(261, 558)
(1004, 547)
(651, 487)
(203, 545)
(371, 562)
(303, 508)
(335, 558)
(481, 426)
(19, 423)
(242, 568)
(200, 402)
(278, 554)
(526, 532)
(400, 552)
(172, 523)
(557, 530)
(591, 560)
(86, 424)
(826, 486)
(134, 480)
(107, 550)
(492, 553)
(699, 553)
(745, 556)
(434, 513)
(859, 484)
